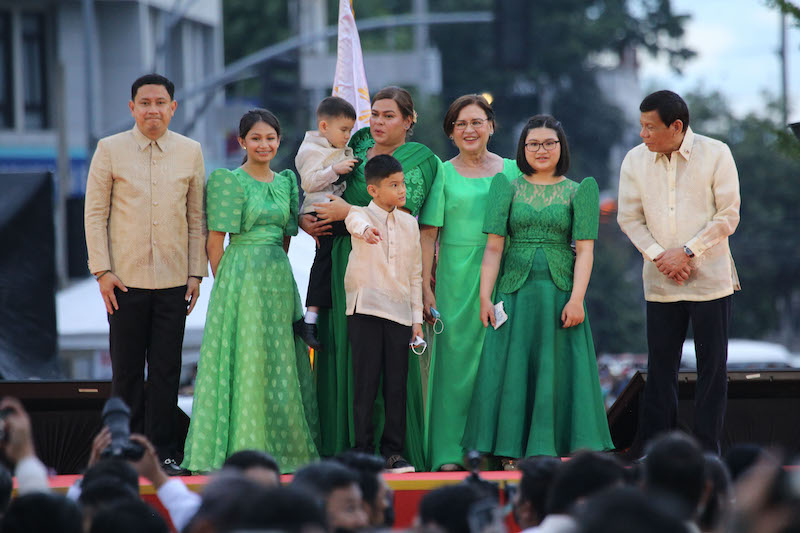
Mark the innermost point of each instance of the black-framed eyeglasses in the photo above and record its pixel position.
(548, 145)
(476, 123)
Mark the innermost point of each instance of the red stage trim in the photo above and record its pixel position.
(408, 488)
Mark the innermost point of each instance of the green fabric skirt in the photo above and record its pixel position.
(254, 388)
(537, 390)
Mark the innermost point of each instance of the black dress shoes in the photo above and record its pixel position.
(172, 468)
(307, 332)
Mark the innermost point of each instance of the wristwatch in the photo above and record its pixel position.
(688, 251)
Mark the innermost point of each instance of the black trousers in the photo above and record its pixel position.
(667, 325)
(380, 350)
(148, 327)
(319, 280)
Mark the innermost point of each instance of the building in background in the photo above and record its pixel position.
(49, 93)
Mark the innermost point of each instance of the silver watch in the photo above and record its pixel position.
(688, 251)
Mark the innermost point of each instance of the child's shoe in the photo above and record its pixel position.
(307, 332)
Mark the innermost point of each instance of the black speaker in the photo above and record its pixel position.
(65, 417)
(77, 256)
(763, 408)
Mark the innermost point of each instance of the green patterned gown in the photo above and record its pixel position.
(455, 353)
(254, 387)
(334, 365)
(537, 390)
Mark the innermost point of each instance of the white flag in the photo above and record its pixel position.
(350, 81)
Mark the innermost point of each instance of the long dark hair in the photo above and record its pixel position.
(253, 117)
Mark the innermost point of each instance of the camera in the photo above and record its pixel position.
(117, 416)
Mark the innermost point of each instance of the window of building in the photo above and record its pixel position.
(6, 93)
(34, 70)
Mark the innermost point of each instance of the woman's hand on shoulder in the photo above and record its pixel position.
(573, 314)
(336, 209)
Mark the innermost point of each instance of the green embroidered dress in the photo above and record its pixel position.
(334, 366)
(254, 388)
(537, 390)
(455, 353)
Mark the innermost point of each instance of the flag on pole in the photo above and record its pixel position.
(350, 81)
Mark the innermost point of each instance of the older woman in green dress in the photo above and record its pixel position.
(391, 121)
(538, 391)
(254, 387)
(450, 215)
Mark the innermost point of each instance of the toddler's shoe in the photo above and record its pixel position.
(307, 332)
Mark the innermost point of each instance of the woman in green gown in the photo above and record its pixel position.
(254, 387)
(538, 391)
(391, 121)
(452, 206)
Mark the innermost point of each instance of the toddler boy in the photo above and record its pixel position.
(322, 159)
(383, 285)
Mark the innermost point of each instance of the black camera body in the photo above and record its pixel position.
(117, 416)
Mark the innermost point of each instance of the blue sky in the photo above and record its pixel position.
(737, 43)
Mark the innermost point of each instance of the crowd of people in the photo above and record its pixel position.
(675, 488)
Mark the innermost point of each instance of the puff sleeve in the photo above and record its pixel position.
(586, 211)
(501, 193)
(432, 213)
(224, 201)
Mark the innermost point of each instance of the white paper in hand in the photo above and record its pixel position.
(500, 315)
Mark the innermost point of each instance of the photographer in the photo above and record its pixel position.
(17, 444)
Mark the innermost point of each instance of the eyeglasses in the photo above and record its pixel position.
(476, 123)
(534, 146)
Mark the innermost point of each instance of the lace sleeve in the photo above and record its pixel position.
(586, 211)
(499, 205)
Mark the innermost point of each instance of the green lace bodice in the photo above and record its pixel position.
(421, 169)
(546, 217)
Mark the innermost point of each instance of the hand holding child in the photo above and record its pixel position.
(372, 235)
(343, 167)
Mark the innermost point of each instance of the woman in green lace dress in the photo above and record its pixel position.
(538, 391)
(254, 387)
(391, 121)
(450, 215)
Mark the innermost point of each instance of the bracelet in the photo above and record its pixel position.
(198, 278)
(97, 278)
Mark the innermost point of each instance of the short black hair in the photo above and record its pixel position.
(119, 470)
(6, 487)
(448, 507)
(289, 509)
(537, 478)
(105, 491)
(152, 79)
(674, 465)
(740, 457)
(244, 459)
(42, 512)
(718, 503)
(543, 121)
(323, 477)
(225, 498)
(585, 474)
(335, 107)
(628, 510)
(670, 107)
(369, 467)
(130, 516)
(381, 167)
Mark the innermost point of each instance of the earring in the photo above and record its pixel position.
(451, 137)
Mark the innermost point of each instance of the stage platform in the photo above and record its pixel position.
(408, 489)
